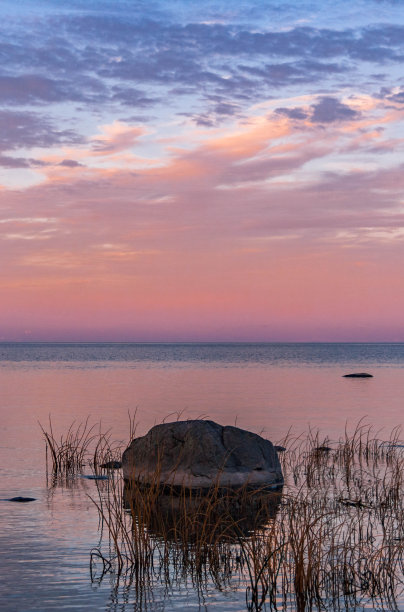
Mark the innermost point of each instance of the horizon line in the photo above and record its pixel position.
(211, 342)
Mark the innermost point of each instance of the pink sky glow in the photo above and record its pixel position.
(161, 214)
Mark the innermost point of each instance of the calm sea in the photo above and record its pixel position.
(267, 388)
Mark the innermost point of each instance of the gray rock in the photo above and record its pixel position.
(199, 454)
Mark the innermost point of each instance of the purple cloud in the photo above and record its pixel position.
(70, 163)
(396, 97)
(292, 113)
(195, 56)
(133, 97)
(329, 109)
(25, 129)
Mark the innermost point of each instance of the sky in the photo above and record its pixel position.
(200, 170)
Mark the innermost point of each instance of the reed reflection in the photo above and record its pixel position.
(192, 515)
(202, 538)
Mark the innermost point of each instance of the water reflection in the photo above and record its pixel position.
(184, 540)
(227, 514)
(45, 545)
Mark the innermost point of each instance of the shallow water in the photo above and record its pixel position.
(45, 545)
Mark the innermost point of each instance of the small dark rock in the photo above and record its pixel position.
(358, 375)
(356, 503)
(111, 465)
(280, 449)
(22, 499)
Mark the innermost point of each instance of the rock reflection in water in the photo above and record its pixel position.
(180, 513)
(177, 538)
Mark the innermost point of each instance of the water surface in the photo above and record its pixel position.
(267, 388)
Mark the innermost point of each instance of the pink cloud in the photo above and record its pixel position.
(116, 137)
(247, 234)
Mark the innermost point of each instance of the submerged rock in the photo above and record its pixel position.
(355, 503)
(111, 465)
(198, 454)
(358, 375)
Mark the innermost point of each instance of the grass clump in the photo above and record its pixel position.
(82, 445)
(68, 452)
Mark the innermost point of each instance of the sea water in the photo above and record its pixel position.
(271, 389)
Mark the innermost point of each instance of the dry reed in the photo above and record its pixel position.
(83, 445)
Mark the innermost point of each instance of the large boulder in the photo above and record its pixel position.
(199, 454)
